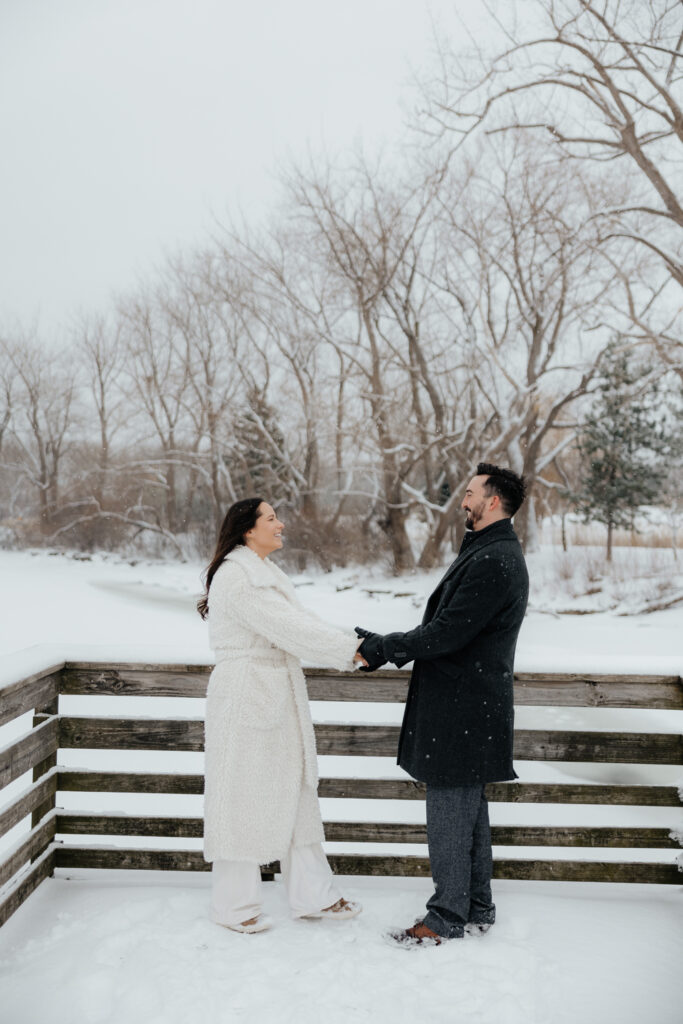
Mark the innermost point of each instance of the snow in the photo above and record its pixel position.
(134, 946)
(140, 950)
(141, 610)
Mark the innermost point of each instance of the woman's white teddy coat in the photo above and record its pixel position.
(261, 769)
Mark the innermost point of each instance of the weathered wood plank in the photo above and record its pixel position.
(26, 884)
(530, 744)
(188, 734)
(366, 740)
(384, 687)
(376, 740)
(132, 733)
(612, 747)
(27, 802)
(110, 858)
(115, 858)
(587, 871)
(509, 792)
(357, 864)
(71, 823)
(35, 843)
(177, 667)
(43, 713)
(537, 870)
(580, 793)
(387, 685)
(129, 782)
(382, 789)
(379, 864)
(372, 789)
(192, 681)
(508, 835)
(29, 750)
(608, 691)
(563, 835)
(533, 689)
(18, 698)
(135, 680)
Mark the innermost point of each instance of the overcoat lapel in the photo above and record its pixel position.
(473, 543)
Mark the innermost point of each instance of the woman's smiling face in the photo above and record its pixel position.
(265, 535)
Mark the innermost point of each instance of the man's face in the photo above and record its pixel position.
(475, 503)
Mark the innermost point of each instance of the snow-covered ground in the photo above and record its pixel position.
(114, 947)
(144, 607)
(128, 949)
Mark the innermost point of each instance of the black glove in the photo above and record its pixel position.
(371, 649)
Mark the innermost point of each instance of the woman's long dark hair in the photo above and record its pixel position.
(239, 518)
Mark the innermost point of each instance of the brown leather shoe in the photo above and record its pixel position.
(419, 935)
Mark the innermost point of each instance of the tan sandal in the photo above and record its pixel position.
(260, 923)
(339, 911)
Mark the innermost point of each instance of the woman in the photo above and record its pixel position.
(261, 800)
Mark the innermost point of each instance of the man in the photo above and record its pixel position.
(457, 731)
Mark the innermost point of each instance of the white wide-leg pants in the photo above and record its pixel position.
(236, 885)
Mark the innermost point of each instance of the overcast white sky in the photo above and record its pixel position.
(124, 124)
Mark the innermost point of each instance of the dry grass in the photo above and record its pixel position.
(581, 579)
(592, 534)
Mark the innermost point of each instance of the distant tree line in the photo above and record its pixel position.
(395, 322)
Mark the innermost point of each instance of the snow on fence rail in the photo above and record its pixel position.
(37, 751)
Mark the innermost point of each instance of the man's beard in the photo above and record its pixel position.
(474, 515)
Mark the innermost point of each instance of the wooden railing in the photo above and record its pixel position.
(37, 751)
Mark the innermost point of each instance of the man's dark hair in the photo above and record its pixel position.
(509, 487)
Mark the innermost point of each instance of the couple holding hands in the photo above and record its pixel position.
(261, 800)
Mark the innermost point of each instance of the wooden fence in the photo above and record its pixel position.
(37, 751)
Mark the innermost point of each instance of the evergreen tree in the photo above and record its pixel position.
(621, 443)
(263, 466)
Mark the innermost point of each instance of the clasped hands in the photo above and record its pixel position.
(370, 652)
(359, 659)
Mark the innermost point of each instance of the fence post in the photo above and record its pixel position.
(46, 710)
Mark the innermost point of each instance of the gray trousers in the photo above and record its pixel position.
(459, 838)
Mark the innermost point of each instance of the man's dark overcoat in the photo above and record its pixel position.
(459, 717)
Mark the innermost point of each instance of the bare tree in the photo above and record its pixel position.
(211, 343)
(528, 284)
(646, 307)
(293, 309)
(100, 350)
(222, 334)
(7, 389)
(601, 79)
(266, 421)
(371, 236)
(286, 333)
(160, 379)
(46, 389)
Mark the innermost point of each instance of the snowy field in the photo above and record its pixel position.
(119, 946)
